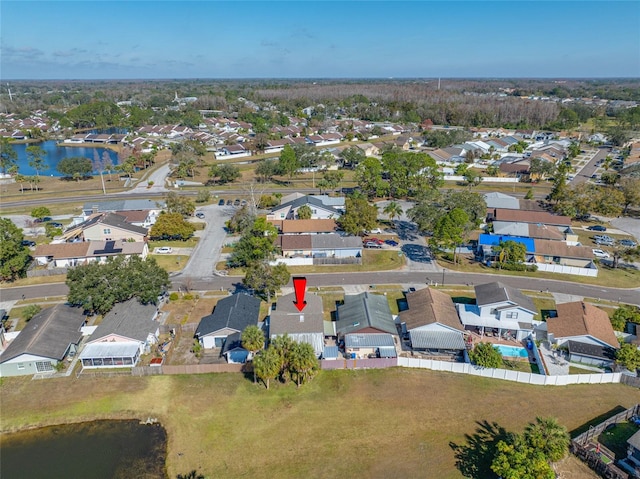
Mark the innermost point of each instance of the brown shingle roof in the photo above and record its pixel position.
(294, 242)
(62, 250)
(542, 217)
(560, 248)
(134, 216)
(428, 306)
(580, 318)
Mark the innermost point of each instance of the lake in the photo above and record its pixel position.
(53, 155)
(97, 449)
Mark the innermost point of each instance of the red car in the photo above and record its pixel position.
(375, 240)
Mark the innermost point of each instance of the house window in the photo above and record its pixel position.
(106, 231)
(219, 341)
(281, 216)
(512, 315)
(20, 365)
(44, 366)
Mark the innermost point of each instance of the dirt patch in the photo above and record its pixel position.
(573, 468)
(184, 311)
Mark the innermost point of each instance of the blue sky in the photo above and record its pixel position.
(328, 39)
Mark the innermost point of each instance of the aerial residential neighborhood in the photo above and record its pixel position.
(270, 240)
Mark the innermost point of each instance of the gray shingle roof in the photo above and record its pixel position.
(365, 310)
(234, 312)
(48, 334)
(335, 241)
(130, 319)
(490, 293)
(307, 200)
(421, 339)
(123, 205)
(286, 319)
(117, 221)
(634, 440)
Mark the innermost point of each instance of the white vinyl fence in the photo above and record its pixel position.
(516, 376)
(558, 268)
(486, 179)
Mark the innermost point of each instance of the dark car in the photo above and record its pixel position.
(628, 243)
(28, 243)
(229, 202)
(391, 242)
(55, 224)
(236, 202)
(597, 228)
(200, 215)
(221, 202)
(372, 244)
(46, 219)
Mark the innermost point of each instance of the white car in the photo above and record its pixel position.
(598, 253)
(164, 250)
(377, 231)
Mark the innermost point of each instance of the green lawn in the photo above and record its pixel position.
(615, 439)
(171, 262)
(366, 423)
(190, 243)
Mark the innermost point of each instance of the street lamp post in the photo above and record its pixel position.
(443, 270)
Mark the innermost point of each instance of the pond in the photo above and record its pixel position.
(54, 154)
(97, 449)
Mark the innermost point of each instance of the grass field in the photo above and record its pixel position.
(367, 423)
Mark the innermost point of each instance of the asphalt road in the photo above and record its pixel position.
(631, 296)
(590, 168)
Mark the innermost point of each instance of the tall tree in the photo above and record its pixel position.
(628, 356)
(266, 169)
(14, 257)
(546, 435)
(330, 180)
(8, 154)
(393, 210)
(516, 459)
(369, 178)
(75, 167)
(305, 212)
(36, 155)
(253, 341)
(359, 216)
(510, 252)
(288, 163)
(255, 246)
(40, 212)
(303, 362)
(171, 225)
(265, 279)
(267, 365)
(225, 173)
(630, 188)
(450, 230)
(98, 286)
(176, 203)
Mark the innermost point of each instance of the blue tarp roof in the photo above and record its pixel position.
(494, 240)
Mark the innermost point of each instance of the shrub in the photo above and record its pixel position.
(30, 311)
(188, 297)
(174, 297)
(203, 196)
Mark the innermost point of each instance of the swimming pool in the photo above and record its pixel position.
(512, 351)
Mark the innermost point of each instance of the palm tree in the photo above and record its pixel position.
(303, 362)
(549, 437)
(253, 341)
(36, 158)
(267, 365)
(393, 210)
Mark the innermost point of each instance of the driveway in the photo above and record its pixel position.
(584, 173)
(207, 252)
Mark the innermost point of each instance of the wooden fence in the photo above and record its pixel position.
(368, 363)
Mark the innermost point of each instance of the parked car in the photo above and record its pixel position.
(375, 231)
(28, 243)
(373, 240)
(597, 228)
(200, 215)
(164, 250)
(55, 224)
(236, 202)
(229, 202)
(603, 240)
(598, 253)
(221, 202)
(628, 243)
(46, 219)
(372, 244)
(391, 242)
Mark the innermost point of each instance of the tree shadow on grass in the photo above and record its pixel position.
(474, 458)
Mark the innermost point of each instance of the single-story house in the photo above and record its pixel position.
(295, 227)
(46, 340)
(126, 332)
(500, 311)
(224, 326)
(432, 323)
(62, 255)
(589, 330)
(152, 207)
(105, 227)
(306, 326)
(289, 211)
(536, 217)
(368, 318)
(335, 246)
